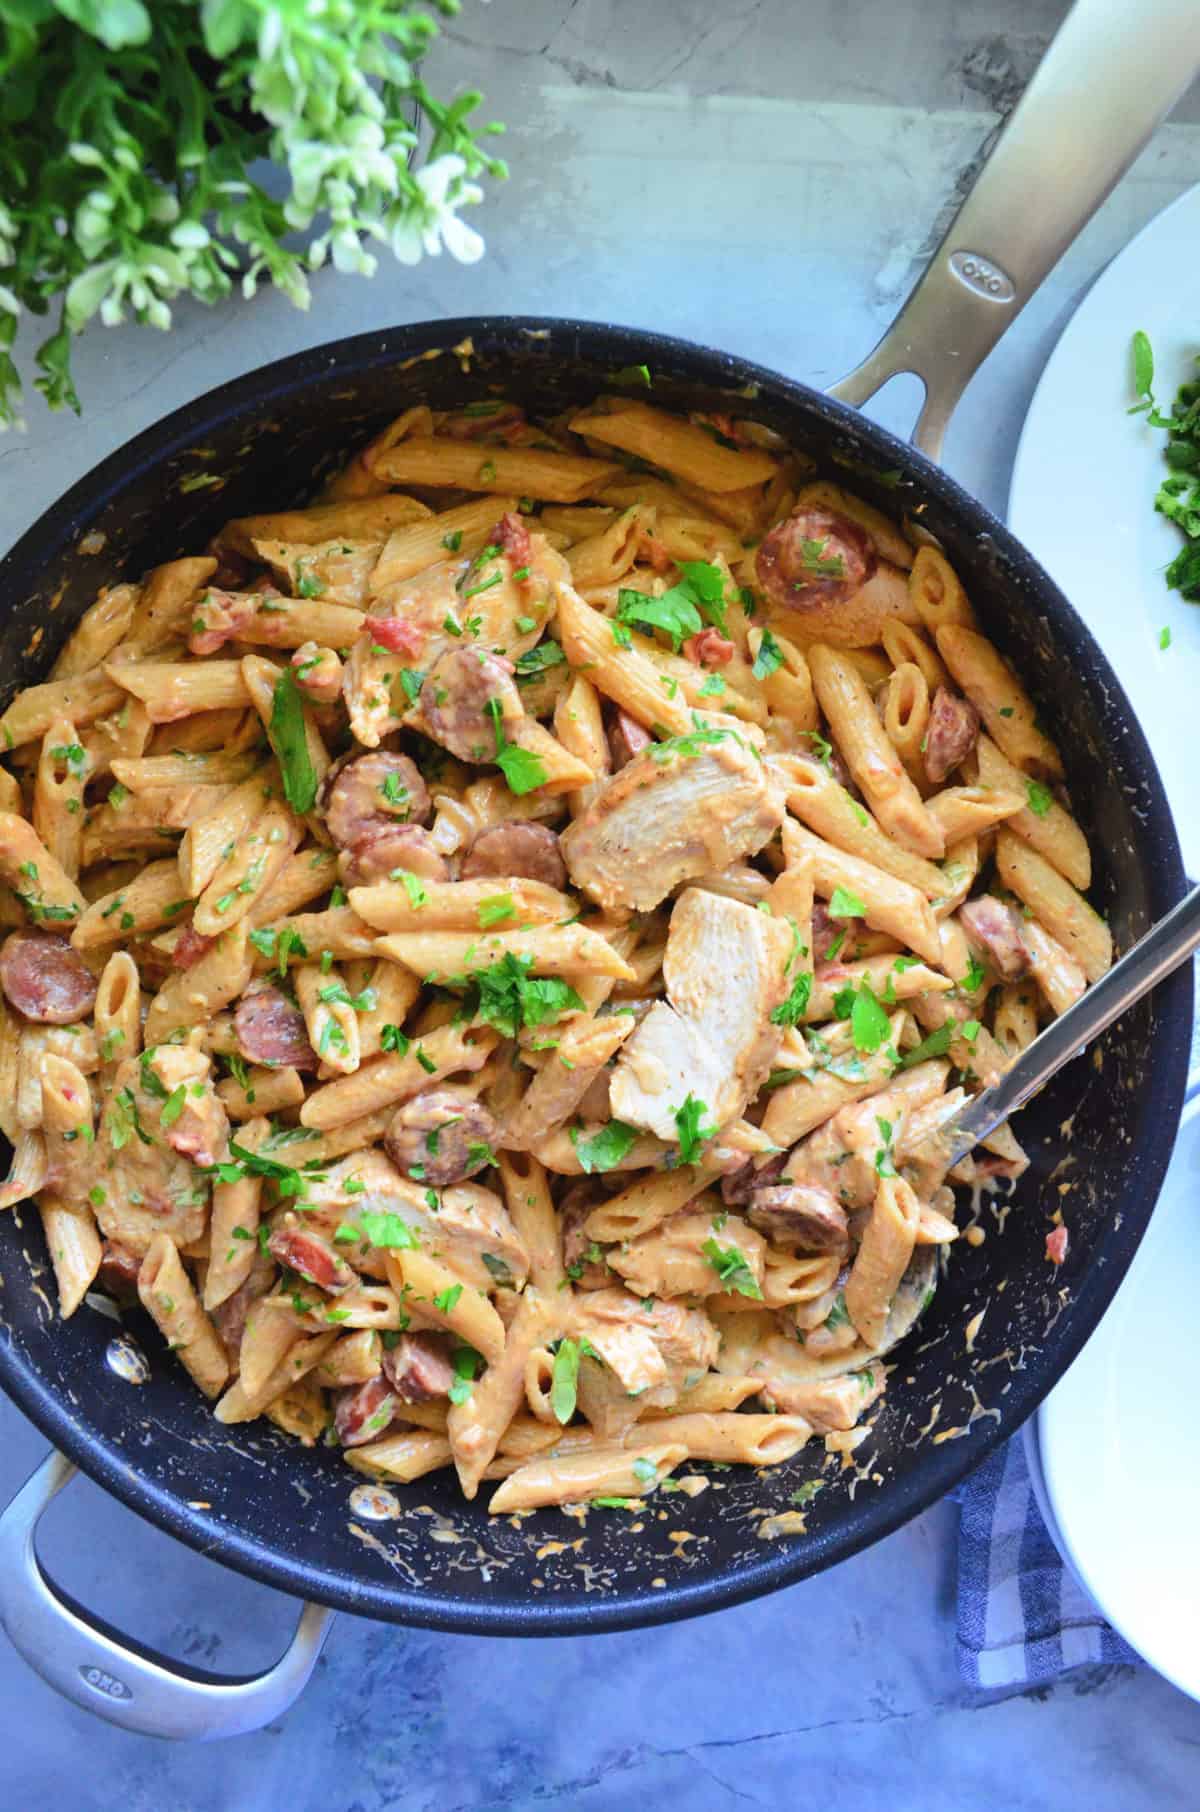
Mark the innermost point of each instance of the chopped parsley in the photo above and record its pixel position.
(729, 1263)
(289, 739)
(795, 1006)
(819, 564)
(446, 1301)
(414, 887)
(769, 657)
(538, 660)
(606, 1148)
(846, 905)
(936, 1045)
(495, 909)
(507, 996)
(391, 1038)
(693, 1134)
(673, 613)
(382, 1229)
(467, 1365)
(523, 771)
(869, 1023)
(1039, 797)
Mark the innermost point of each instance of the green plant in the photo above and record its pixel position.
(128, 129)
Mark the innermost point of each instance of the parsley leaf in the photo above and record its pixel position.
(729, 1263)
(673, 613)
(289, 740)
(495, 909)
(508, 997)
(796, 1005)
(606, 1148)
(869, 1023)
(467, 1365)
(564, 1380)
(936, 1045)
(692, 1133)
(1040, 798)
(539, 660)
(846, 905)
(768, 658)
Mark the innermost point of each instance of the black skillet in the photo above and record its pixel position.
(282, 1513)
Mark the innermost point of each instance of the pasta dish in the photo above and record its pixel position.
(484, 953)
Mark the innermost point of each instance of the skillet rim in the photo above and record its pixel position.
(940, 1468)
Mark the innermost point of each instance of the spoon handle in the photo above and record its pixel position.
(1162, 950)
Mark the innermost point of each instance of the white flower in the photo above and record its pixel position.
(190, 236)
(417, 228)
(8, 301)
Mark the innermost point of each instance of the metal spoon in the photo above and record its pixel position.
(1162, 950)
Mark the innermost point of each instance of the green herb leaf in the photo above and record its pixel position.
(768, 658)
(290, 743)
(1040, 798)
(936, 1045)
(693, 1134)
(795, 1006)
(495, 909)
(1143, 365)
(673, 613)
(846, 905)
(606, 1148)
(564, 1380)
(729, 1263)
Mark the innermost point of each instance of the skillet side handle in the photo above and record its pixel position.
(1113, 72)
(127, 1685)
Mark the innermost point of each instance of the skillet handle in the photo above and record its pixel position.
(109, 1674)
(1114, 71)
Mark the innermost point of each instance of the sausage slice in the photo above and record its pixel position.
(406, 846)
(441, 1137)
(270, 1029)
(530, 850)
(815, 556)
(372, 793)
(456, 696)
(419, 1368)
(44, 979)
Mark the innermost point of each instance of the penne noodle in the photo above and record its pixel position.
(551, 950)
(875, 765)
(467, 906)
(436, 462)
(677, 446)
(1063, 911)
(999, 697)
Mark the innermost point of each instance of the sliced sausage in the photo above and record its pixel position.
(396, 634)
(994, 928)
(709, 648)
(441, 1137)
(799, 1214)
(372, 793)
(815, 556)
(118, 1273)
(738, 1185)
(626, 738)
(190, 946)
(511, 536)
(405, 846)
(44, 979)
(829, 933)
(952, 733)
(459, 701)
(293, 1244)
(530, 850)
(363, 1412)
(419, 1367)
(270, 1029)
(1056, 1245)
(583, 1259)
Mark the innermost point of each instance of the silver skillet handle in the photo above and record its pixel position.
(130, 1686)
(1114, 71)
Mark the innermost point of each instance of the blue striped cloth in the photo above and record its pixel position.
(1023, 1617)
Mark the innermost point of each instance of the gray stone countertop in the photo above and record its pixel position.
(766, 177)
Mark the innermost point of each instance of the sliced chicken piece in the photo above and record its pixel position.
(663, 1062)
(828, 1403)
(681, 809)
(647, 1343)
(995, 930)
(725, 969)
(465, 1225)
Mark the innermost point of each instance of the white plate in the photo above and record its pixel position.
(1119, 1441)
(1082, 496)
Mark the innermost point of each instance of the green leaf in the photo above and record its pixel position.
(1143, 365)
(523, 771)
(606, 1148)
(508, 997)
(936, 1045)
(467, 1366)
(769, 657)
(693, 1135)
(869, 1024)
(495, 909)
(117, 23)
(796, 1005)
(729, 1263)
(631, 374)
(846, 905)
(707, 585)
(1040, 798)
(173, 1105)
(446, 1301)
(290, 743)
(414, 887)
(674, 613)
(388, 1231)
(564, 1380)
(539, 660)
